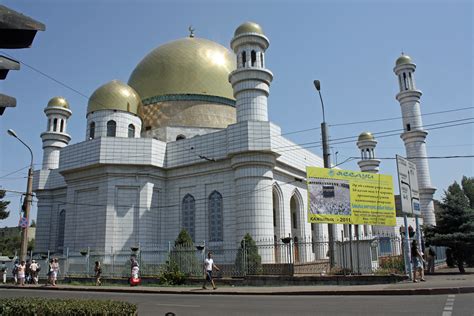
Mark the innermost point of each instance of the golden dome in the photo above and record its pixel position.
(248, 27)
(185, 69)
(365, 136)
(58, 102)
(404, 59)
(114, 95)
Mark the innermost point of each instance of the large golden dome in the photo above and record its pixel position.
(185, 69)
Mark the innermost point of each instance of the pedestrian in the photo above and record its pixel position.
(15, 271)
(55, 267)
(417, 261)
(98, 273)
(4, 272)
(134, 270)
(21, 273)
(208, 266)
(50, 272)
(34, 272)
(27, 272)
(431, 259)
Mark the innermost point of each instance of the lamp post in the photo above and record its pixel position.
(327, 164)
(27, 202)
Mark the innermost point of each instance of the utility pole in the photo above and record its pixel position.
(327, 164)
(24, 221)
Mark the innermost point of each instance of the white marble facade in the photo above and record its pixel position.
(112, 193)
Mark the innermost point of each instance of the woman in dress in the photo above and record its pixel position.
(417, 261)
(21, 273)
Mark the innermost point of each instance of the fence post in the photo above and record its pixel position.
(343, 248)
(244, 257)
(66, 264)
(113, 260)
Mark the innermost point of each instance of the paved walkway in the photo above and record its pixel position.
(446, 281)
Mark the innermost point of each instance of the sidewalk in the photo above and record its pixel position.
(446, 282)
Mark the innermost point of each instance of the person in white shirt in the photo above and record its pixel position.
(208, 266)
(34, 272)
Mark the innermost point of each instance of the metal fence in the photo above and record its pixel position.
(364, 255)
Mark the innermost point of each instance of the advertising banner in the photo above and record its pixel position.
(350, 197)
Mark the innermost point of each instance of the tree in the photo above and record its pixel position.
(33, 223)
(455, 222)
(248, 260)
(3, 206)
(184, 254)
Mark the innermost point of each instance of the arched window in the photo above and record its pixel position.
(244, 58)
(131, 131)
(62, 126)
(61, 227)
(261, 56)
(253, 57)
(294, 213)
(216, 220)
(111, 128)
(92, 130)
(180, 137)
(188, 209)
(55, 125)
(405, 81)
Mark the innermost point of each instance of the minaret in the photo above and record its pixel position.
(367, 162)
(55, 137)
(414, 136)
(251, 80)
(253, 169)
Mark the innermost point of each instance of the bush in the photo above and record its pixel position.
(248, 260)
(171, 275)
(46, 306)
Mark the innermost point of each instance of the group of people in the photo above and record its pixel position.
(26, 272)
(418, 261)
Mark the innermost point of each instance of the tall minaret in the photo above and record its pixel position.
(251, 80)
(414, 136)
(253, 169)
(367, 162)
(55, 137)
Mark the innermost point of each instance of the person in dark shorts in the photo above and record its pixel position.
(208, 266)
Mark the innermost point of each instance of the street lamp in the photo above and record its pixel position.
(327, 164)
(27, 202)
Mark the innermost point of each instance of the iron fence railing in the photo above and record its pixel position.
(309, 256)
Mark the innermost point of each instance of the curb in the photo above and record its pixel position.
(379, 292)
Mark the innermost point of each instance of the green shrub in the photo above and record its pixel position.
(248, 260)
(184, 255)
(171, 275)
(27, 306)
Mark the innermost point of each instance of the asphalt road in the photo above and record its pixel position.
(160, 304)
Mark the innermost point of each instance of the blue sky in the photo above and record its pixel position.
(351, 46)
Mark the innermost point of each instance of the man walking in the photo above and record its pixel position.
(208, 266)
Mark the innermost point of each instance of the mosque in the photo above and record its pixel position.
(187, 143)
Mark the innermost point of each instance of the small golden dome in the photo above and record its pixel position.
(58, 102)
(248, 27)
(404, 59)
(185, 68)
(365, 136)
(114, 95)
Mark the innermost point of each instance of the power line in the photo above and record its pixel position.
(284, 134)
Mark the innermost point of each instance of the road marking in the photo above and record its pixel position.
(177, 305)
(449, 305)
